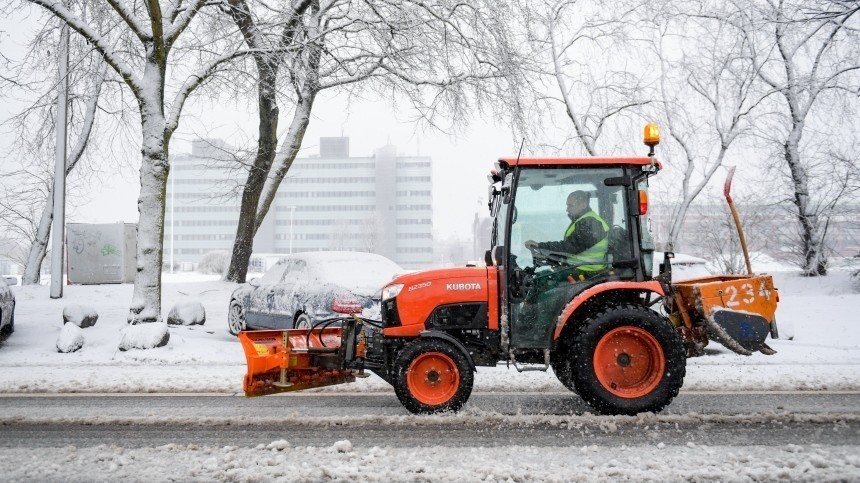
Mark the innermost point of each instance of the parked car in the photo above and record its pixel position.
(12, 280)
(7, 309)
(303, 289)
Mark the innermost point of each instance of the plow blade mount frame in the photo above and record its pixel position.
(296, 359)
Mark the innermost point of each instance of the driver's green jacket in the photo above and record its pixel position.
(593, 258)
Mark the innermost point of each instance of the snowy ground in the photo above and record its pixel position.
(281, 461)
(824, 355)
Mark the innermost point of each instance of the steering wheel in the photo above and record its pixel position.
(544, 258)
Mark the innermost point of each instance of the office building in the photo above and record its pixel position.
(332, 201)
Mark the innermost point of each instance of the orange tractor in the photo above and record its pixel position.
(611, 330)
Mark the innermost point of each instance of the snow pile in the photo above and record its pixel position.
(71, 338)
(278, 445)
(145, 336)
(343, 446)
(187, 313)
(81, 315)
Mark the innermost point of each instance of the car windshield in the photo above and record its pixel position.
(274, 274)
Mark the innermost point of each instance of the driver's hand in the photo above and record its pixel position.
(531, 244)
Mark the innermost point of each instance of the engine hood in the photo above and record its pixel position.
(423, 292)
(457, 273)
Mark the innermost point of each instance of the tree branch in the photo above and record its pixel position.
(130, 19)
(110, 57)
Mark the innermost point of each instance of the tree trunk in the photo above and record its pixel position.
(267, 146)
(289, 151)
(146, 301)
(814, 261)
(39, 245)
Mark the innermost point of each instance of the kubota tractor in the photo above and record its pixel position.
(611, 330)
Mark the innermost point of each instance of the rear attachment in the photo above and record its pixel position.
(738, 311)
(296, 359)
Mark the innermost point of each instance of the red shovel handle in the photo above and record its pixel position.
(728, 186)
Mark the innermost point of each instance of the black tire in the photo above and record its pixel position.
(560, 363)
(448, 378)
(645, 381)
(303, 321)
(10, 327)
(236, 317)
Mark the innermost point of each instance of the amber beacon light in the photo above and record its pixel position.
(652, 134)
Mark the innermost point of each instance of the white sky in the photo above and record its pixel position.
(460, 162)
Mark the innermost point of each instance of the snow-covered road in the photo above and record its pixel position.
(368, 437)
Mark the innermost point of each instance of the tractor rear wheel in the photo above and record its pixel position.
(627, 359)
(431, 376)
(560, 363)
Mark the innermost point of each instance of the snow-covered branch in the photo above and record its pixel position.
(181, 21)
(110, 57)
(193, 82)
(130, 19)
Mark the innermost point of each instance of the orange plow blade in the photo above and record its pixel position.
(292, 360)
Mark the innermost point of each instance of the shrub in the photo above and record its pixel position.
(215, 261)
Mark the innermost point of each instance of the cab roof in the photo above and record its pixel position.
(590, 161)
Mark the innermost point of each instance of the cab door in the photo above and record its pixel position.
(541, 282)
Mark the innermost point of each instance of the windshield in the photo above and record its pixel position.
(274, 274)
(541, 212)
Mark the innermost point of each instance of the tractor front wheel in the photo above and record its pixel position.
(431, 376)
(627, 360)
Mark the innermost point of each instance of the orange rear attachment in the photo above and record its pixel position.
(629, 362)
(291, 360)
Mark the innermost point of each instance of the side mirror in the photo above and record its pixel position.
(498, 255)
(488, 258)
(254, 282)
(507, 183)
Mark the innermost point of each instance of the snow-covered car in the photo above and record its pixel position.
(7, 309)
(303, 289)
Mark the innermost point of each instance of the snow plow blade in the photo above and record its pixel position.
(738, 311)
(296, 359)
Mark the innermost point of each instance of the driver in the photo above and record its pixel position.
(586, 239)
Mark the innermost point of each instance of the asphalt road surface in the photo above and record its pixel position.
(492, 420)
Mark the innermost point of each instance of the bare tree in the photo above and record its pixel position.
(708, 95)
(806, 52)
(441, 57)
(29, 174)
(718, 238)
(574, 33)
(136, 41)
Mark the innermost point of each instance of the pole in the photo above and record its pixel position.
(59, 228)
(292, 210)
(736, 217)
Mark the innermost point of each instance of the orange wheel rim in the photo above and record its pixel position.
(629, 362)
(433, 378)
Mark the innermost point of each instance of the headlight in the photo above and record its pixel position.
(391, 291)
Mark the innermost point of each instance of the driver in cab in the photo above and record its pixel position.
(585, 242)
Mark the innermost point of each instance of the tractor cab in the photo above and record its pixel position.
(540, 268)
